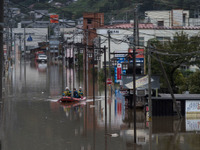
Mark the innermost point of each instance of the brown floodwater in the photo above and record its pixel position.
(32, 119)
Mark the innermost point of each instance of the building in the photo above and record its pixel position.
(194, 21)
(67, 23)
(35, 24)
(92, 21)
(121, 33)
(168, 18)
(35, 34)
(38, 14)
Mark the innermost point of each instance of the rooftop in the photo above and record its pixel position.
(149, 26)
(179, 96)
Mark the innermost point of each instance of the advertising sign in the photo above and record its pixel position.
(119, 71)
(139, 53)
(192, 106)
(53, 18)
(192, 110)
(192, 125)
(139, 82)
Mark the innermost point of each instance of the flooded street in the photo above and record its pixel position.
(31, 117)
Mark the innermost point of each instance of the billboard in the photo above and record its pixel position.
(139, 53)
(54, 18)
(192, 106)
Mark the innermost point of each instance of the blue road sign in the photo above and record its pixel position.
(29, 39)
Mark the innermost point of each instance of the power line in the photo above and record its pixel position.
(116, 41)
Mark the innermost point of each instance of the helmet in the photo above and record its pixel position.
(66, 88)
(80, 88)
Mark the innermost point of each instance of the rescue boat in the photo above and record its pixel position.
(71, 99)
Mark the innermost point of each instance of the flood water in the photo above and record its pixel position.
(32, 119)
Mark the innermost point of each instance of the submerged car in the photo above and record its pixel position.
(42, 58)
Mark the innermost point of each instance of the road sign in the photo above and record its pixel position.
(29, 39)
(109, 81)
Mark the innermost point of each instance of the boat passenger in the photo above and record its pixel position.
(80, 92)
(75, 93)
(67, 92)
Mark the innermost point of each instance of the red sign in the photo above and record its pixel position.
(53, 18)
(119, 71)
(139, 53)
(119, 108)
(147, 108)
(109, 81)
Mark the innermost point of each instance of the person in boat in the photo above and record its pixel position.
(75, 93)
(67, 92)
(80, 92)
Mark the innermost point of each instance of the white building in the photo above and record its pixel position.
(36, 34)
(194, 21)
(168, 18)
(121, 32)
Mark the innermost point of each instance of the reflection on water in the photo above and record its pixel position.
(33, 119)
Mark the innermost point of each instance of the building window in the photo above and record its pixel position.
(163, 40)
(141, 41)
(184, 19)
(89, 21)
(160, 23)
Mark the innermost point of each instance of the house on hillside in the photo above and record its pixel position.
(35, 24)
(38, 14)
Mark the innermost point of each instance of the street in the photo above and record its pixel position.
(31, 117)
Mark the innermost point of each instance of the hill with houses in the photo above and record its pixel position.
(113, 9)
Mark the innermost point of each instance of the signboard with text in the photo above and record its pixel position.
(192, 106)
(53, 18)
(119, 71)
(139, 53)
(192, 124)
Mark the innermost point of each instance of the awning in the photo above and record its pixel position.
(139, 83)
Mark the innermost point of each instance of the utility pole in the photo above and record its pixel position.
(11, 41)
(87, 62)
(93, 72)
(109, 76)
(135, 41)
(149, 81)
(105, 82)
(170, 88)
(73, 48)
(1, 44)
(149, 96)
(24, 44)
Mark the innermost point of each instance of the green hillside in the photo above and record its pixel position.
(117, 9)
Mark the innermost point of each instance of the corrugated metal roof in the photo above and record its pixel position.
(149, 26)
(178, 96)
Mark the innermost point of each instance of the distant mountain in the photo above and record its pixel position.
(113, 9)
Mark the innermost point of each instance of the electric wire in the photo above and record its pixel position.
(116, 41)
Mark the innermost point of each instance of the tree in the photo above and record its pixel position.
(194, 82)
(174, 54)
